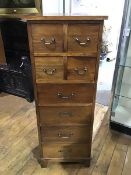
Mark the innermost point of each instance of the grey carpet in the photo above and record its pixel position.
(103, 97)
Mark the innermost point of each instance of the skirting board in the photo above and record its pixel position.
(121, 128)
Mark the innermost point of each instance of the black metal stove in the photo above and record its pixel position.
(16, 76)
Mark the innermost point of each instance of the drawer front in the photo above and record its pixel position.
(67, 115)
(49, 68)
(81, 68)
(66, 151)
(83, 37)
(65, 93)
(47, 38)
(66, 133)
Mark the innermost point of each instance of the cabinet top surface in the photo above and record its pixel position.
(61, 17)
(54, 17)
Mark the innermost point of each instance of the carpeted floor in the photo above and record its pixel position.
(104, 85)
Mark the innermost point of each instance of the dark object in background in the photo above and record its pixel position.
(20, 7)
(16, 76)
(103, 56)
(109, 59)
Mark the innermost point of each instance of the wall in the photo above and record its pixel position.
(52, 6)
(111, 8)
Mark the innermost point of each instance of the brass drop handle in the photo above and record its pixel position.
(82, 43)
(64, 136)
(60, 95)
(51, 42)
(49, 71)
(80, 71)
(65, 114)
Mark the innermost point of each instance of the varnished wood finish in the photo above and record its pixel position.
(60, 17)
(83, 32)
(75, 134)
(62, 68)
(81, 68)
(65, 57)
(67, 115)
(89, 54)
(69, 93)
(49, 68)
(65, 151)
(2, 53)
(42, 33)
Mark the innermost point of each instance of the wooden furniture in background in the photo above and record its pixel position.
(65, 59)
(2, 53)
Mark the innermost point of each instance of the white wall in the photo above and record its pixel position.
(55, 6)
(111, 8)
(52, 6)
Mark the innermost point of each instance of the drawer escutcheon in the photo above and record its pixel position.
(51, 42)
(65, 114)
(60, 95)
(80, 71)
(49, 71)
(82, 43)
(65, 136)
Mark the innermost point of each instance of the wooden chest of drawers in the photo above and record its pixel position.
(65, 57)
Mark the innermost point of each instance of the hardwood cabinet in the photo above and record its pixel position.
(65, 58)
(2, 53)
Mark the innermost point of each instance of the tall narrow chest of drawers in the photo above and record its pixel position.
(65, 59)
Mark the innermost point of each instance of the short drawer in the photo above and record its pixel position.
(66, 150)
(47, 38)
(83, 37)
(66, 133)
(81, 68)
(67, 115)
(65, 93)
(49, 68)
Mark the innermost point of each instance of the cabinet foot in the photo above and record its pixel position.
(43, 163)
(87, 163)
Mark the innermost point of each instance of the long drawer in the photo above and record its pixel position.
(66, 151)
(67, 115)
(65, 93)
(66, 133)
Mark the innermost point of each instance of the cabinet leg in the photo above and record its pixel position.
(44, 163)
(87, 163)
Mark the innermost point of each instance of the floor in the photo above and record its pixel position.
(111, 151)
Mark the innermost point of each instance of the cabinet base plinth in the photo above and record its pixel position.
(87, 163)
(44, 162)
